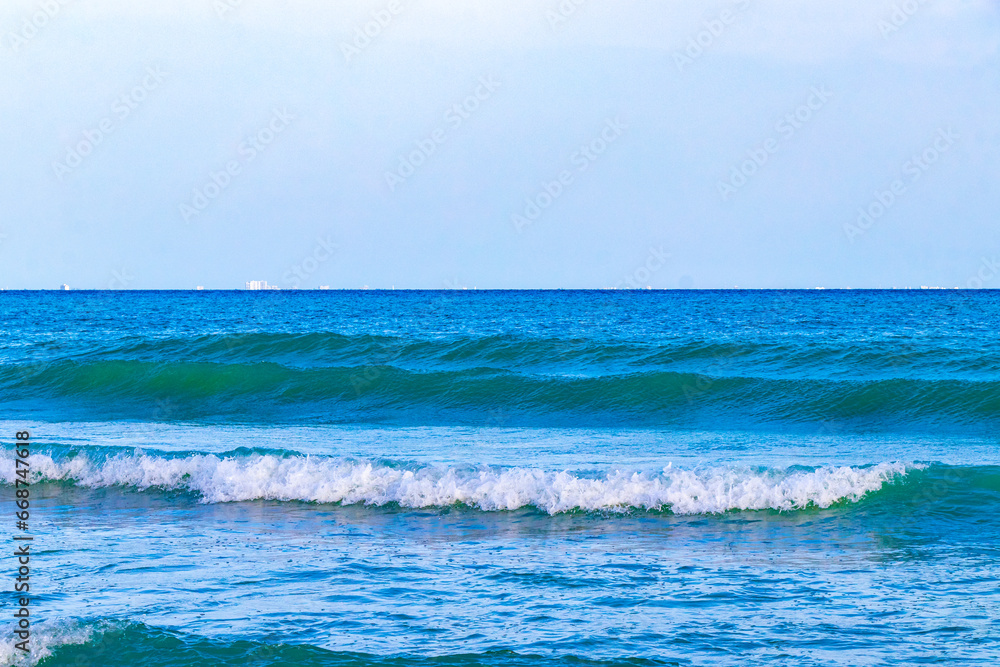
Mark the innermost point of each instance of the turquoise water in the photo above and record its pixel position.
(508, 478)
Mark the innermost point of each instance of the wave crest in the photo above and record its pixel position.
(47, 636)
(335, 480)
(381, 393)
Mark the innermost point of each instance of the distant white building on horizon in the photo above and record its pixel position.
(64, 287)
(260, 285)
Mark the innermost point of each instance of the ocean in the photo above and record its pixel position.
(450, 478)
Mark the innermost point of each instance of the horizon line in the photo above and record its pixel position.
(514, 289)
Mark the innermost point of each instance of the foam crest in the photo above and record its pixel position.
(332, 480)
(46, 637)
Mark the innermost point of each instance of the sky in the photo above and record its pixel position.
(515, 144)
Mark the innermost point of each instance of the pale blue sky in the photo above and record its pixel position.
(623, 134)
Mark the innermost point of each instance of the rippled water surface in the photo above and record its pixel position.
(509, 478)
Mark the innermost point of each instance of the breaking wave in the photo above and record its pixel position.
(349, 481)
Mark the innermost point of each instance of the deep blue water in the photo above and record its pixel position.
(508, 478)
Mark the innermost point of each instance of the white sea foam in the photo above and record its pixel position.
(46, 636)
(333, 480)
